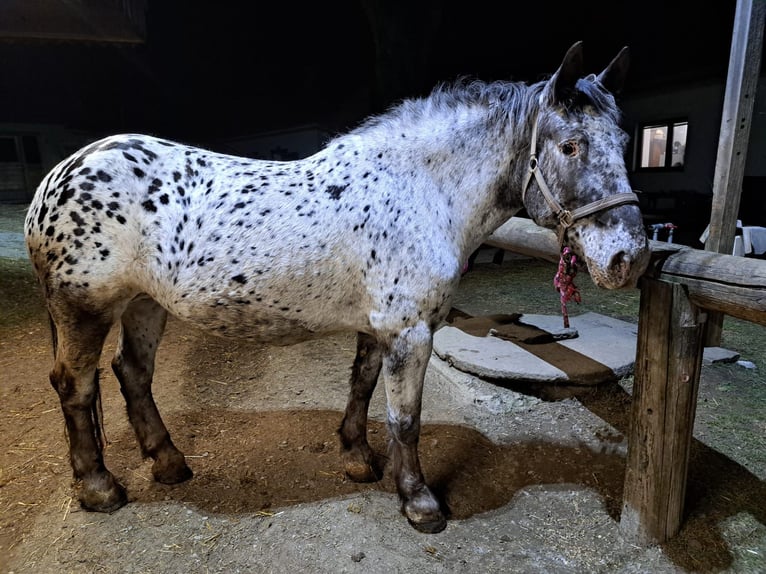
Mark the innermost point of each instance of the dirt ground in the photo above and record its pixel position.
(532, 485)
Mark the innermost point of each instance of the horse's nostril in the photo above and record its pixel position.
(620, 263)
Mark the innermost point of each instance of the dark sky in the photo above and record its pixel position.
(243, 67)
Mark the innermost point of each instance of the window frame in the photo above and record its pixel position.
(670, 126)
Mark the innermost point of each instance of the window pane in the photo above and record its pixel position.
(679, 144)
(654, 141)
(31, 151)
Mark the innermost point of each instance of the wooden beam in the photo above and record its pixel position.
(120, 21)
(523, 236)
(666, 380)
(739, 99)
(732, 285)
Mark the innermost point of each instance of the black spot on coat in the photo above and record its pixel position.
(335, 191)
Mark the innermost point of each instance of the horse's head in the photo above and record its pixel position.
(577, 183)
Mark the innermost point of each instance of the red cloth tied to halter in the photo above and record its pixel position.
(564, 281)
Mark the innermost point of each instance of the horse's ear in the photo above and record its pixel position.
(613, 76)
(561, 86)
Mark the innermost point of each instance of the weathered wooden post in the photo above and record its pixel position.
(666, 379)
(739, 101)
(680, 284)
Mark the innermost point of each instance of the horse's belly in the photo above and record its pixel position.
(253, 323)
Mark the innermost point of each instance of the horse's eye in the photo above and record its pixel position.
(569, 148)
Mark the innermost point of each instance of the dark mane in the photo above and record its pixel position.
(514, 100)
(501, 97)
(591, 92)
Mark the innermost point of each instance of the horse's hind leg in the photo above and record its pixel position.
(143, 323)
(79, 339)
(358, 457)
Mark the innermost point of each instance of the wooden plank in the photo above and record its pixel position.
(733, 139)
(523, 236)
(733, 285)
(669, 359)
(729, 284)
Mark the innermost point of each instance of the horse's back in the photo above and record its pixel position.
(235, 245)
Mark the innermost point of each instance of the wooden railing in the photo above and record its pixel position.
(679, 286)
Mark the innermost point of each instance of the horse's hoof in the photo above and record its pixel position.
(424, 512)
(361, 472)
(165, 473)
(430, 526)
(106, 496)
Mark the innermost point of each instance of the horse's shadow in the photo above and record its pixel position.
(246, 462)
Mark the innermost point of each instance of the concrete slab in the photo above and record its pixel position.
(608, 342)
(490, 357)
(718, 355)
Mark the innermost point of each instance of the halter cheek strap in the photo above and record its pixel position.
(566, 217)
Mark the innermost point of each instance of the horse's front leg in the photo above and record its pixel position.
(404, 368)
(358, 458)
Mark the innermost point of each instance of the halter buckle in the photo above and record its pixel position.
(565, 218)
(533, 163)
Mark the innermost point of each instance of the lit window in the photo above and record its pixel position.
(663, 145)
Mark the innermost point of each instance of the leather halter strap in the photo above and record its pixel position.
(566, 217)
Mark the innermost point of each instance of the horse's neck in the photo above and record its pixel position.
(475, 165)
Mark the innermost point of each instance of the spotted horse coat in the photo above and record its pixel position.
(368, 235)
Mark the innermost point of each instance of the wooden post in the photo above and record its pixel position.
(668, 362)
(739, 99)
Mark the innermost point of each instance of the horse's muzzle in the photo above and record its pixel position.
(623, 269)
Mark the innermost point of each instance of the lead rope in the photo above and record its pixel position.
(564, 278)
(563, 281)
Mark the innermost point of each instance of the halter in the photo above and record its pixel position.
(566, 217)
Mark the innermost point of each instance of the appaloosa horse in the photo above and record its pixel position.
(369, 235)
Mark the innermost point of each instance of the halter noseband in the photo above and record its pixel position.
(566, 217)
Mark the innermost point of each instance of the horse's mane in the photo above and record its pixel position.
(513, 100)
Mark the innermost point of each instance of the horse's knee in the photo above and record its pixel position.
(75, 389)
(404, 429)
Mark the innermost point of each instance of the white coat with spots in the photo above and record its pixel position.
(368, 235)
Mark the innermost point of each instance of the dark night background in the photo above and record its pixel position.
(217, 69)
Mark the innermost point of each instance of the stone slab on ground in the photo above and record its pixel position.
(718, 355)
(12, 245)
(603, 339)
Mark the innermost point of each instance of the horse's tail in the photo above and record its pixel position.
(54, 334)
